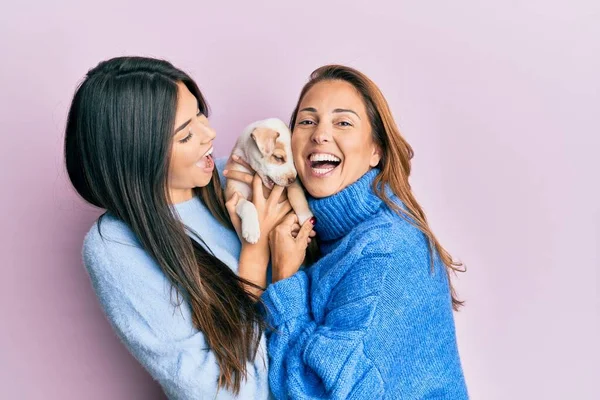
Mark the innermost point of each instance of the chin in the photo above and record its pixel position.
(204, 181)
(320, 190)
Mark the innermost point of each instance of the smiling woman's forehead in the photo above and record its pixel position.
(333, 96)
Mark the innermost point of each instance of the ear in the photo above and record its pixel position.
(375, 156)
(265, 140)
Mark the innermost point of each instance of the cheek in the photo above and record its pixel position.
(176, 157)
(179, 163)
(187, 156)
(297, 147)
(173, 167)
(295, 143)
(356, 151)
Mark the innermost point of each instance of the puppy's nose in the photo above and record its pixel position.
(291, 180)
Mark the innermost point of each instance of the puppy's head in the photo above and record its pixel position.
(273, 159)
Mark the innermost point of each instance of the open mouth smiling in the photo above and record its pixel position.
(322, 164)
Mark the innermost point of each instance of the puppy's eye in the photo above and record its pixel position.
(280, 159)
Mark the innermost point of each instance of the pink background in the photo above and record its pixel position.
(500, 100)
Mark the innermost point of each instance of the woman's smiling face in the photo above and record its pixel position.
(332, 139)
(191, 162)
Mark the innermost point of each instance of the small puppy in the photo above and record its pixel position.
(265, 146)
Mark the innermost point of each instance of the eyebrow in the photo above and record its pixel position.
(337, 110)
(186, 123)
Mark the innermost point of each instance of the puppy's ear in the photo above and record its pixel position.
(265, 140)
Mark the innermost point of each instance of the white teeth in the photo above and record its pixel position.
(209, 152)
(322, 171)
(324, 157)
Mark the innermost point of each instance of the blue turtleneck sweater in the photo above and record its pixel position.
(369, 320)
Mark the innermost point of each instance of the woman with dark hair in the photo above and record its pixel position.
(163, 257)
(371, 319)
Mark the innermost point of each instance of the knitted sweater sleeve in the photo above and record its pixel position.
(323, 356)
(138, 301)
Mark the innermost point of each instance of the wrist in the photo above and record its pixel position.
(254, 259)
(281, 273)
(261, 246)
(258, 252)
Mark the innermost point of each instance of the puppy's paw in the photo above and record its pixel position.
(250, 225)
(251, 234)
(303, 217)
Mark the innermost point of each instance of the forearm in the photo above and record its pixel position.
(309, 358)
(254, 259)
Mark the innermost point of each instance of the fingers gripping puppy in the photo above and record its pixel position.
(265, 146)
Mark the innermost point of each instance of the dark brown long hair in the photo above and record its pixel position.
(395, 163)
(117, 149)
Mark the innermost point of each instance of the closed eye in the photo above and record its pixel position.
(187, 138)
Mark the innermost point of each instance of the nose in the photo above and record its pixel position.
(291, 180)
(208, 132)
(320, 134)
(212, 134)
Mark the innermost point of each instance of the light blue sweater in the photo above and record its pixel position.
(369, 320)
(136, 297)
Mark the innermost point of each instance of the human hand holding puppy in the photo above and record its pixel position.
(263, 148)
(288, 243)
(271, 204)
(262, 157)
(289, 240)
(271, 207)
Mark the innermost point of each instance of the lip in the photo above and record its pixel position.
(312, 172)
(211, 168)
(270, 183)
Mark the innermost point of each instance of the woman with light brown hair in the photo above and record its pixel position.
(373, 317)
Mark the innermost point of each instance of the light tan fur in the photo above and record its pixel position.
(265, 146)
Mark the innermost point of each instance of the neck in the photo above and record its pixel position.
(177, 196)
(341, 212)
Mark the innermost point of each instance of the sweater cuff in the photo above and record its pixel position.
(287, 299)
